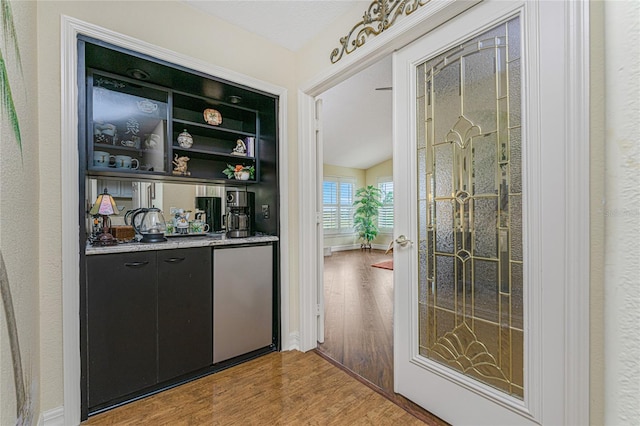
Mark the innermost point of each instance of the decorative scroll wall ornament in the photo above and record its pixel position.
(380, 15)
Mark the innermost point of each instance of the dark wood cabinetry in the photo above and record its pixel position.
(149, 320)
(213, 146)
(121, 335)
(133, 129)
(184, 311)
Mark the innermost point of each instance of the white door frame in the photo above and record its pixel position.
(70, 29)
(576, 145)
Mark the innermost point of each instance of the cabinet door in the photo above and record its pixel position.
(121, 321)
(184, 311)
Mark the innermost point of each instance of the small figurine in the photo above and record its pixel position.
(240, 149)
(181, 221)
(180, 164)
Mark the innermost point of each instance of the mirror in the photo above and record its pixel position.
(166, 196)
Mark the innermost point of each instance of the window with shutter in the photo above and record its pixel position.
(337, 208)
(385, 212)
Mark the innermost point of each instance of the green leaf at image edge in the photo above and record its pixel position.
(9, 30)
(7, 102)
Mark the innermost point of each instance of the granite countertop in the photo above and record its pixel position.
(179, 242)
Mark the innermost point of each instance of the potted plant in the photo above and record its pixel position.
(367, 204)
(239, 172)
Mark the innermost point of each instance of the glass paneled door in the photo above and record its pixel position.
(470, 216)
(478, 189)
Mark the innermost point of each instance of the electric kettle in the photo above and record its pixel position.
(150, 225)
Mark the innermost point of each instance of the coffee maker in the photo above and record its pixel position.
(240, 217)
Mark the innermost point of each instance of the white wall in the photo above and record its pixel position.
(20, 217)
(622, 213)
(168, 24)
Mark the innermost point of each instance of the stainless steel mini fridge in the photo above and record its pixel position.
(242, 300)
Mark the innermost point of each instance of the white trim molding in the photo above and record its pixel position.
(71, 28)
(53, 417)
(577, 226)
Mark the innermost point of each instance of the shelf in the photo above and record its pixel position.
(203, 153)
(207, 128)
(107, 146)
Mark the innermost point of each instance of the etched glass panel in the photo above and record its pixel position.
(471, 317)
(485, 227)
(446, 100)
(485, 158)
(444, 226)
(478, 70)
(514, 93)
(444, 161)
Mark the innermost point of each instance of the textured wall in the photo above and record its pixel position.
(622, 213)
(169, 24)
(19, 214)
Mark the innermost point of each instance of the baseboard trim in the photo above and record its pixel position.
(294, 342)
(345, 247)
(53, 417)
(348, 247)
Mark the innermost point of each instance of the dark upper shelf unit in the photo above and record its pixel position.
(131, 118)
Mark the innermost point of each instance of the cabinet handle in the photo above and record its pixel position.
(135, 264)
(174, 260)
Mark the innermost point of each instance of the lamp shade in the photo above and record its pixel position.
(105, 205)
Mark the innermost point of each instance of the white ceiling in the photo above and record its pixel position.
(289, 23)
(356, 117)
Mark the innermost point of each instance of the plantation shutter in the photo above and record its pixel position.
(385, 212)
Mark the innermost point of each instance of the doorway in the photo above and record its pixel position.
(356, 148)
(572, 334)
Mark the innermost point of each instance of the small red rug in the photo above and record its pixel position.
(387, 264)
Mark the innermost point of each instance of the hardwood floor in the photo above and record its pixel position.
(359, 321)
(285, 388)
(359, 314)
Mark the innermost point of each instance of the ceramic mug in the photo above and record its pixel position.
(101, 158)
(198, 227)
(126, 162)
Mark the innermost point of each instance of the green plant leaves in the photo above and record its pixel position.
(6, 97)
(8, 106)
(9, 29)
(364, 217)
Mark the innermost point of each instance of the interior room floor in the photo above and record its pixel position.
(285, 388)
(359, 321)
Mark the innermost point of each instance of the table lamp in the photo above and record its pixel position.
(105, 206)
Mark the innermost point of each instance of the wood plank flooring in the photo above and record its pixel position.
(286, 388)
(359, 314)
(359, 321)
